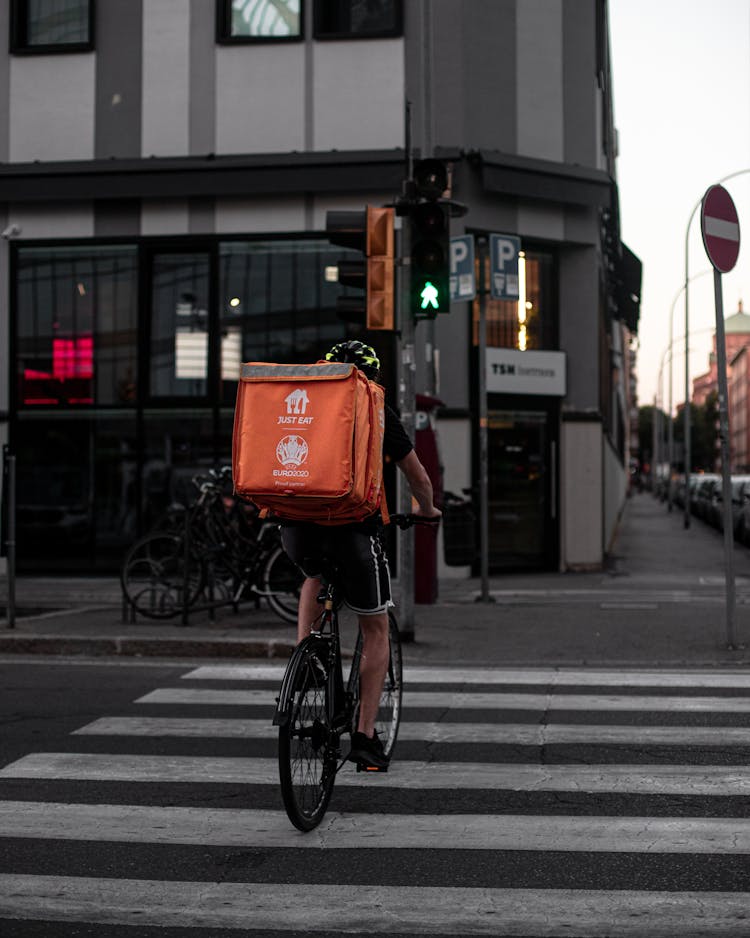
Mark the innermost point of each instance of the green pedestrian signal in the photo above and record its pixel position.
(429, 241)
(429, 296)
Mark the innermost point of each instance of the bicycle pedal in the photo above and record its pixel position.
(370, 768)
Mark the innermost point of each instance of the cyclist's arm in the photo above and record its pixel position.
(419, 483)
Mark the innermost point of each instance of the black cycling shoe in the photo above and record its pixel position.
(368, 753)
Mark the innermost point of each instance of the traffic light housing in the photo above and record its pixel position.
(370, 232)
(429, 229)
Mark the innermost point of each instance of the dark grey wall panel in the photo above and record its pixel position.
(579, 81)
(489, 53)
(201, 216)
(117, 218)
(202, 130)
(579, 325)
(119, 25)
(4, 83)
(449, 89)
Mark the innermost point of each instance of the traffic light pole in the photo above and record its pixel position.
(407, 404)
(484, 530)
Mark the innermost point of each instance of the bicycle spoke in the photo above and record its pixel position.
(307, 749)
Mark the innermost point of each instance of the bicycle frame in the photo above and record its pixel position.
(325, 643)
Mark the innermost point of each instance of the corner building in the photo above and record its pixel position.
(165, 171)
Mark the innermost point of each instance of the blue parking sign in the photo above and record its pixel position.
(462, 278)
(504, 250)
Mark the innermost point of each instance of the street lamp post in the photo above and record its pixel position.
(670, 425)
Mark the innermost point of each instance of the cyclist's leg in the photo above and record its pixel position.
(304, 543)
(309, 607)
(373, 667)
(367, 591)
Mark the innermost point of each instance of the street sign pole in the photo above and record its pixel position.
(407, 406)
(484, 527)
(726, 483)
(721, 238)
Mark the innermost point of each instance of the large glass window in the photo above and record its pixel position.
(259, 20)
(530, 321)
(76, 493)
(104, 445)
(76, 316)
(179, 324)
(275, 304)
(51, 25)
(357, 19)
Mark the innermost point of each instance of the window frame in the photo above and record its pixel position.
(396, 33)
(18, 34)
(224, 36)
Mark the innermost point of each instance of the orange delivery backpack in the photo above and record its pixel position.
(308, 441)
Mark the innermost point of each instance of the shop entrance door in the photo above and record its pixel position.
(522, 498)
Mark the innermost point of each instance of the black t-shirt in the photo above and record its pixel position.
(396, 444)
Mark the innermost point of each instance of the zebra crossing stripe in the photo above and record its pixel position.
(518, 734)
(422, 910)
(468, 701)
(229, 827)
(623, 779)
(556, 677)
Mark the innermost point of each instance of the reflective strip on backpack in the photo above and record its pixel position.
(328, 370)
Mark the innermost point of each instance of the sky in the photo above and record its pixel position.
(681, 79)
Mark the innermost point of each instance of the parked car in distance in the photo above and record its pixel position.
(703, 496)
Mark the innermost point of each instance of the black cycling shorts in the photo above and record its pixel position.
(358, 553)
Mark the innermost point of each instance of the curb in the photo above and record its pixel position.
(144, 647)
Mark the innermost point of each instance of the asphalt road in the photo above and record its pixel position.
(140, 799)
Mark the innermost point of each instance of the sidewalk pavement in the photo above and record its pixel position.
(660, 602)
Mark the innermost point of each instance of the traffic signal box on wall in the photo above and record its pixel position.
(429, 229)
(370, 232)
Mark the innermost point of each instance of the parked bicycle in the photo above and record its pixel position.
(315, 708)
(214, 552)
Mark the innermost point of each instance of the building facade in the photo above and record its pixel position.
(165, 171)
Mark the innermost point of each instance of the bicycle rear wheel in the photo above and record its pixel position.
(281, 582)
(155, 579)
(307, 746)
(389, 711)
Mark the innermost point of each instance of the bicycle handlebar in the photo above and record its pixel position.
(404, 521)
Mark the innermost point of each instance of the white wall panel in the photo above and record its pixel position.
(168, 217)
(52, 220)
(260, 99)
(346, 203)
(539, 71)
(236, 216)
(358, 95)
(166, 82)
(52, 106)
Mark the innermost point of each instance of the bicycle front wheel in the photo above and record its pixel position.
(157, 578)
(281, 584)
(307, 747)
(389, 711)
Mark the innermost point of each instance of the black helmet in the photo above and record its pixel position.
(359, 354)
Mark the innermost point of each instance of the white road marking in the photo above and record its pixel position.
(452, 700)
(425, 910)
(521, 734)
(555, 677)
(246, 828)
(631, 779)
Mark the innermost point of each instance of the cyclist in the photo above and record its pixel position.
(359, 550)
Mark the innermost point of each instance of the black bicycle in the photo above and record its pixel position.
(316, 708)
(212, 553)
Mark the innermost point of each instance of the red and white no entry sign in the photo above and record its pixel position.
(720, 228)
